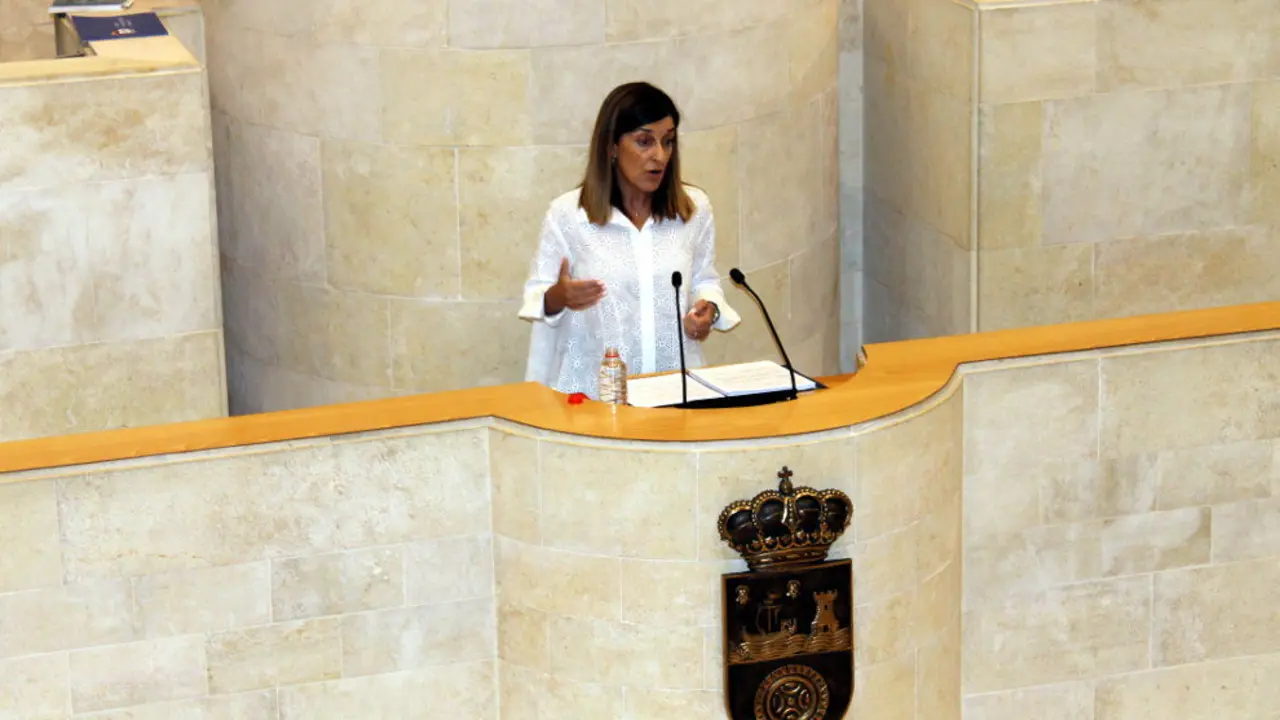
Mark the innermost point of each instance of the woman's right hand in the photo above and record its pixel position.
(570, 293)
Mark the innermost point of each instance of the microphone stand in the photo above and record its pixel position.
(739, 279)
(676, 281)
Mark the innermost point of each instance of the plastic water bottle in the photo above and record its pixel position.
(612, 386)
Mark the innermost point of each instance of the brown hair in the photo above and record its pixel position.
(626, 108)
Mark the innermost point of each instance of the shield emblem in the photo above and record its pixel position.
(788, 642)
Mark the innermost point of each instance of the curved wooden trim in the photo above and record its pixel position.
(897, 376)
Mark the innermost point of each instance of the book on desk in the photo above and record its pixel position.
(739, 385)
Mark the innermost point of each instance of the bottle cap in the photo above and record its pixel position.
(611, 352)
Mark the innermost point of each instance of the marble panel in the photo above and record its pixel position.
(29, 533)
(1243, 688)
(753, 71)
(1217, 474)
(1026, 287)
(630, 515)
(467, 690)
(709, 159)
(1066, 701)
(516, 487)
(411, 638)
(485, 102)
(1215, 612)
(35, 687)
(46, 269)
(1147, 164)
(64, 617)
(503, 195)
(391, 219)
(1169, 273)
(1009, 182)
(433, 350)
(449, 569)
(137, 673)
(522, 23)
(270, 655)
(632, 20)
(252, 507)
(104, 386)
(337, 583)
(1176, 43)
(1168, 401)
(153, 256)
(277, 213)
(1076, 632)
(384, 23)
(1038, 52)
(202, 600)
(58, 133)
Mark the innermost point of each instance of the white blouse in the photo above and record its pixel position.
(638, 312)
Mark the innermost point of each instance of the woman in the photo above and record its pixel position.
(602, 273)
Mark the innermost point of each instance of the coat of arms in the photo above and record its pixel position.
(788, 620)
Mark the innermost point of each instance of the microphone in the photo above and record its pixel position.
(739, 279)
(676, 281)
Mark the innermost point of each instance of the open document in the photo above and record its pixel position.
(751, 378)
(663, 390)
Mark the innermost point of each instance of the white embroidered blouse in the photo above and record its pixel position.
(638, 312)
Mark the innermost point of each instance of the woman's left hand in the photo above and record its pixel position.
(697, 323)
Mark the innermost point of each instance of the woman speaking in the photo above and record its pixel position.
(602, 275)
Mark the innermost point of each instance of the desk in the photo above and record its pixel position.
(499, 545)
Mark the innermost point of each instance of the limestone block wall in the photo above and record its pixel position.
(1087, 159)
(1122, 536)
(631, 628)
(383, 169)
(1115, 513)
(1129, 153)
(109, 296)
(348, 579)
(919, 181)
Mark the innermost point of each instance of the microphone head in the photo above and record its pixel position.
(736, 275)
(677, 279)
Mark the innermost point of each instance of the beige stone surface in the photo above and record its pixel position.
(36, 686)
(101, 386)
(109, 278)
(1147, 163)
(1005, 562)
(1144, 43)
(1038, 52)
(1157, 116)
(29, 532)
(137, 673)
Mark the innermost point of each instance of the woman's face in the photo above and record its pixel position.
(642, 154)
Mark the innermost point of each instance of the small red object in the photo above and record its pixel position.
(577, 398)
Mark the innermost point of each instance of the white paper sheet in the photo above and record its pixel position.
(662, 390)
(751, 378)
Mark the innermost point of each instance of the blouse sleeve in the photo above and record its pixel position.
(706, 281)
(544, 273)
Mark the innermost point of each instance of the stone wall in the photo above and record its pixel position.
(1113, 514)
(1122, 536)
(110, 313)
(1081, 159)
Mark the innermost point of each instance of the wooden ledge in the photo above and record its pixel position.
(897, 376)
